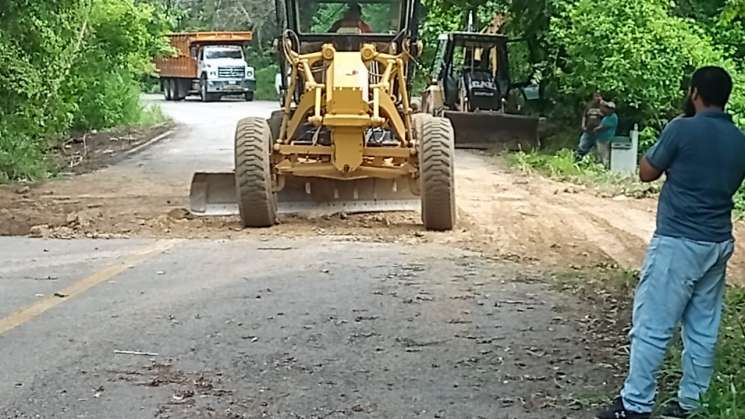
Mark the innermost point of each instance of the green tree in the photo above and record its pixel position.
(68, 64)
(636, 52)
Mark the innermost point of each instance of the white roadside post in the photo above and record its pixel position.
(624, 154)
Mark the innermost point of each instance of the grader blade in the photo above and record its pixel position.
(214, 194)
(484, 130)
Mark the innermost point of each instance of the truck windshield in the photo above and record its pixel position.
(335, 16)
(213, 54)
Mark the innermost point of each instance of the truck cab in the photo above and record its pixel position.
(208, 64)
(223, 71)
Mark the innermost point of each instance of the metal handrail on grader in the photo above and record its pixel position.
(346, 139)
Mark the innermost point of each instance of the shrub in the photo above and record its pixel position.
(69, 64)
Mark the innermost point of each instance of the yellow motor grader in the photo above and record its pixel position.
(346, 138)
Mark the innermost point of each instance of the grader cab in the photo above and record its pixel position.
(346, 139)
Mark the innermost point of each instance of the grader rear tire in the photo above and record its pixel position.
(437, 177)
(257, 202)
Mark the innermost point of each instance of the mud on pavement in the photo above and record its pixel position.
(501, 213)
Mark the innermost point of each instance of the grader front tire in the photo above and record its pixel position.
(436, 163)
(257, 202)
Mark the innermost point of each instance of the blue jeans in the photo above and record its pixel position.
(682, 281)
(586, 142)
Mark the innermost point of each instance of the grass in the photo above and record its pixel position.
(22, 158)
(726, 397)
(27, 159)
(151, 115)
(612, 289)
(563, 167)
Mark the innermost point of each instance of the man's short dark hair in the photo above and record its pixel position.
(713, 84)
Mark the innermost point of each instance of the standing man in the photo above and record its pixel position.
(606, 131)
(598, 127)
(683, 279)
(590, 120)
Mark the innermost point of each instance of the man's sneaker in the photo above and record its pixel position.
(674, 411)
(618, 411)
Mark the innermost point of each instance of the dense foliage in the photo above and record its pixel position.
(69, 64)
(638, 53)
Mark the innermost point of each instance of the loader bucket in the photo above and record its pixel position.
(214, 194)
(484, 130)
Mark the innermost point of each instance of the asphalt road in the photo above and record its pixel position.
(307, 327)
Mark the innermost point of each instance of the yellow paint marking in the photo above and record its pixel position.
(27, 314)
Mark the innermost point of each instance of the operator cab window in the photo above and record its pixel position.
(215, 53)
(349, 17)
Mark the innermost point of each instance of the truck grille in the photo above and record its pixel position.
(231, 72)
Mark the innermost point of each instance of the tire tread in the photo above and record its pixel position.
(437, 153)
(253, 176)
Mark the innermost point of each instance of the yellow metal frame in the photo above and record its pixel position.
(347, 104)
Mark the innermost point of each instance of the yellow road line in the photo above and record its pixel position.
(27, 314)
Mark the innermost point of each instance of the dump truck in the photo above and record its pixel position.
(471, 85)
(207, 64)
(346, 139)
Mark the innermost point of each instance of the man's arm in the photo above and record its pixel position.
(647, 172)
(603, 126)
(660, 157)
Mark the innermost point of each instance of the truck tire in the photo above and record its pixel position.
(179, 90)
(437, 174)
(257, 201)
(206, 96)
(173, 85)
(166, 86)
(249, 96)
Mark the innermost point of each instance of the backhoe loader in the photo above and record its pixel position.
(346, 138)
(471, 85)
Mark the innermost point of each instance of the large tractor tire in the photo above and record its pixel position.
(257, 202)
(437, 173)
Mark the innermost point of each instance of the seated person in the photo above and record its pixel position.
(352, 20)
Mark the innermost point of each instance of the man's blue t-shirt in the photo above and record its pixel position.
(704, 160)
(610, 126)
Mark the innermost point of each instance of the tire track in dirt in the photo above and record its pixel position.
(556, 223)
(548, 220)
